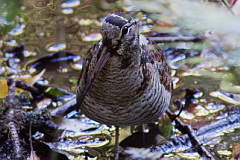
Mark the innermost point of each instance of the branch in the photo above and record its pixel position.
(228, 7)
(234, 2)
(62, 110)
(187, 129)
(33, 90)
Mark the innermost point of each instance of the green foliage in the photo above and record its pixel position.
(74, 81)
(166, 128)
(9, 10)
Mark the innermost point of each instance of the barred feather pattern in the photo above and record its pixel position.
(129, 90)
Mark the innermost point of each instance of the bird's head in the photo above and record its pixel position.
(120, 32)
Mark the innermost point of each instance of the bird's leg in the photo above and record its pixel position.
(116, 143)
(142, 128)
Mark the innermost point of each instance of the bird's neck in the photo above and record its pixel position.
(119, 75)
(130, 58)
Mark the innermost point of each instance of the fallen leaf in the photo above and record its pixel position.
(236, 150)
(25, 78)
(53, 61)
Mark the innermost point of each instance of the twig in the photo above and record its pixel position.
(64, 109)
(228, 7)
(178, 103)
(175, 143)
(176, 39)
(187, 129)
(10, 119)
(11, 90)
(234, 2)
(33, 90)
(30, 137)
(33, 155)
(205, 134)
(15, 139)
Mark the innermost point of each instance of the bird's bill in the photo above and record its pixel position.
(103, 55)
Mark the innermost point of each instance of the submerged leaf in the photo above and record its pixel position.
(165, 127)
(55, 93)
(53, 61)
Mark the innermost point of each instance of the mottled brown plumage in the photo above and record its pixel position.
(124, 80)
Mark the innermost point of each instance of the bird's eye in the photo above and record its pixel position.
(125, 30)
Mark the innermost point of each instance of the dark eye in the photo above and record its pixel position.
(125, 30)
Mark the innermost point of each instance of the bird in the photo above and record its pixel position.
(125, 79)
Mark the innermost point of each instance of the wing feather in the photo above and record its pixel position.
(88, 64)
(156, 57)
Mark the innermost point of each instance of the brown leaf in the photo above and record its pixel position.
(236, 150)
(26, 78)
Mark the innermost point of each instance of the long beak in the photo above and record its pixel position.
(101, 61)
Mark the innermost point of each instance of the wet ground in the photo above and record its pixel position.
(50, 38)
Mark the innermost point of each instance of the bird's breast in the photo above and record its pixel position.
(116, 83)
(114, 98)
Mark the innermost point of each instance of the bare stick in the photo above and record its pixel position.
(11, 117)
(234, 2)
(228, 7)
(33, 90)
(64, 109)
(187, 129)
(11, 90)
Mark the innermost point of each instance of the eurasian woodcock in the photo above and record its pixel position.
(125, 79)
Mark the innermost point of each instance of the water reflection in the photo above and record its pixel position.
(46, 28)
(70, 3)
